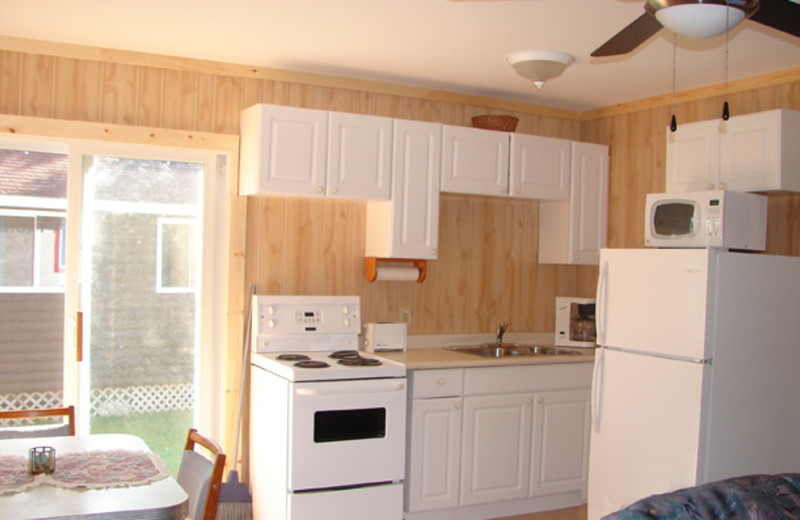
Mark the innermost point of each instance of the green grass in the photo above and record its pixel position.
(164, 432)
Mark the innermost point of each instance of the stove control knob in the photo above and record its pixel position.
(270, 310)
(345, 309)
(271, 324)
(346, 322)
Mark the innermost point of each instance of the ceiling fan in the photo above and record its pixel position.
(783, 15)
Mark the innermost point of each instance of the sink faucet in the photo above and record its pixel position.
(501, 330)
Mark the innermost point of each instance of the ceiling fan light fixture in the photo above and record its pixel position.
(540, 66)
(700, 20)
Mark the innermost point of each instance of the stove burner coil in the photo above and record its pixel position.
(293, 357)
(360, 361)
(311, 364)
(345, 354)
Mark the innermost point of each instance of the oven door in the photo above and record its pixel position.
(344, 433)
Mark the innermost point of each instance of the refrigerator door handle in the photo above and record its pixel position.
(601, 299)
(597, 387)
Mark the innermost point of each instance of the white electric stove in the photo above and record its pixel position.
(327, 421)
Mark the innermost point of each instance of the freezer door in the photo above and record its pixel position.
(646, 428)
(654, 300)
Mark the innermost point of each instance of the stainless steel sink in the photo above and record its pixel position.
(496, 351)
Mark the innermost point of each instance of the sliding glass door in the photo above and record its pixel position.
(130, 257)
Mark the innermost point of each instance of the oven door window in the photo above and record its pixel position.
(349, 425)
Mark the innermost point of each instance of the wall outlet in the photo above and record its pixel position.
(405, 315)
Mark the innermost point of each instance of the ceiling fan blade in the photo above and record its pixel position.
(636, 33)
(783, 15)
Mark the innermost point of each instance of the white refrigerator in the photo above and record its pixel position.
(697, 374)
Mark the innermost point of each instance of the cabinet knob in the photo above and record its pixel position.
(518, 190)
(320, 189)
(334, 190)
(503, 189)
(457, 406)
(710, 186)
(433, 251)
(575, 257)
(723, 186)
(529, 401)
(540, 400)
(440, 381)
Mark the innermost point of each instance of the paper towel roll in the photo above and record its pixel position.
(397, 274)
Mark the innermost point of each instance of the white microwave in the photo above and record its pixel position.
(719, 219)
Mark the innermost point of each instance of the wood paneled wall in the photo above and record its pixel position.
(487, 269)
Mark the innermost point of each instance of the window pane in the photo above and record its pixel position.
(33, 190)
(16, 248)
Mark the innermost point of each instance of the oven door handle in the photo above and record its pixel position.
(344, 388)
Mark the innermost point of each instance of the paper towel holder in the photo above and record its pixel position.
(371, 266)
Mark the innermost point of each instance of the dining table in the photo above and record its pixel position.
(108, 476)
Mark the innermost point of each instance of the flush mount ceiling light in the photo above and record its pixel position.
(539, 66)
(701, 18)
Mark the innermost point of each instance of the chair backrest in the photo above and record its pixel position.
(47, 430)
(201, 477)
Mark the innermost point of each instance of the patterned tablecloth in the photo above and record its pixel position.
(90, 470)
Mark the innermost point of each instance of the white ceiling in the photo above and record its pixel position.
(440, 44)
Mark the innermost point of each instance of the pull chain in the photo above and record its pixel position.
(725, 110)
(673, 124)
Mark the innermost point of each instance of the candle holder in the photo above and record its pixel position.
(41, 459)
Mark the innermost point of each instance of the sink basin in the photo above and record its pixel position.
(496, 351)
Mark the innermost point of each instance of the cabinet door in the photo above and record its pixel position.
(750, 152)
(496, 448)
(539, 167)
(474, 161)
(560, 442)
(408, 225)
(434, 454)
(693, 157)
(359, 156)
(589, 202)
(283, 151)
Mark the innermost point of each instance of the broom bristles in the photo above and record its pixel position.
(235, 501)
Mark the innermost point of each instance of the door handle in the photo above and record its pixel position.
(601, 301)
(79, 336)
(597, 387)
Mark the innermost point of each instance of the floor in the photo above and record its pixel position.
(572, 513)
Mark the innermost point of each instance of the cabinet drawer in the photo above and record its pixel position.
(436, 383)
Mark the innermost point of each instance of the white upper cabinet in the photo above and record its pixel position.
(407, 226)
(539, 167)
(314, 153)
(488, 162)
(283, 151)
(359, 156)
(474, 161)
(753, 152)
(574, 231)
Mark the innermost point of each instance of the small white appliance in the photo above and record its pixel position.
(327, 437)
(695, 376)
(385, 337)
(575, 326)
(718, 218)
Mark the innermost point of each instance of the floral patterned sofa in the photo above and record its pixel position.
(754, 497)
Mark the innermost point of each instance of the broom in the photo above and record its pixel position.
(235, 501)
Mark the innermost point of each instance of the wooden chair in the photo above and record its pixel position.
(65, 429)
(201, 477)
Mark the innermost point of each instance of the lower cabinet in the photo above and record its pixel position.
(515, 438)
(496, 450)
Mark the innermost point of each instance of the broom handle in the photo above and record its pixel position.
(245, 360)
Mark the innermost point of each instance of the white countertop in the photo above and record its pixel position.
(426, 352)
